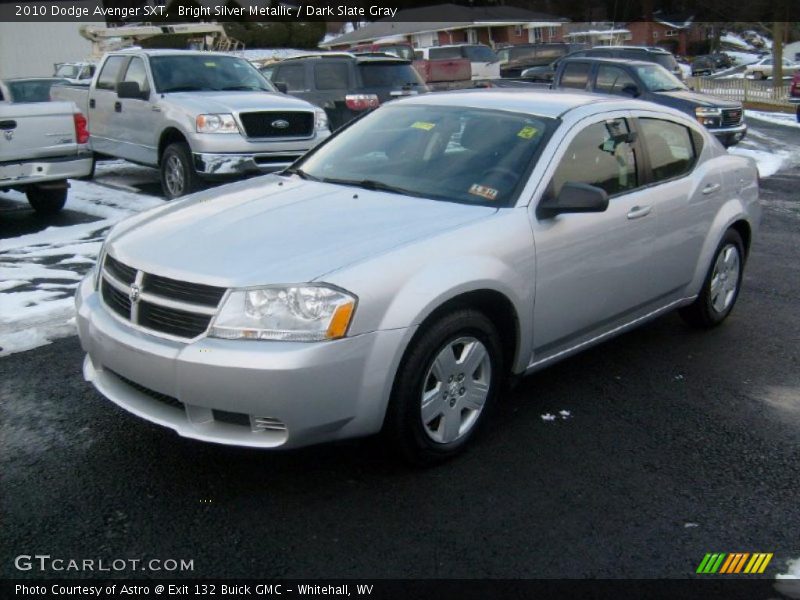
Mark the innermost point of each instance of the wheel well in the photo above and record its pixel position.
(497, 308)
(743, 229)
(170, 136)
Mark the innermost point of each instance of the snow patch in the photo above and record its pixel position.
(768, 163)
(778, 118)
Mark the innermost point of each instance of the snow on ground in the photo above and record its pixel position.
(788, 583)
(734, 40)
(40, 271)
(778, 118)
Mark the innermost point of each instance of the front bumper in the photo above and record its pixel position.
(221, 165)
(730, 135)
(240, 392)
(30, 172)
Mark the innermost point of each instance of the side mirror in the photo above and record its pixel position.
(130, 89)
(631, 90)
(281, 87)
(574, 198)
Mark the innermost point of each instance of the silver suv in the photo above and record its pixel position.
(396, 275)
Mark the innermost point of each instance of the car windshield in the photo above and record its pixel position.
(456, 154)
(69, 71)
(392, 75)
(400, 51)
(34, 90)
(658, 79)
(667, 61)
(205, 73)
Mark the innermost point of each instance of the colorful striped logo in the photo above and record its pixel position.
(735, 563)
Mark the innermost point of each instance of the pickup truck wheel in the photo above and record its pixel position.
(178, 176)
(445, 385)
(721, 286)
(47, 201)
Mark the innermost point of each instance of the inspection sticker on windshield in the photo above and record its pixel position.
(527, 132)
(210, 64)
(483, 191)
(423, 125)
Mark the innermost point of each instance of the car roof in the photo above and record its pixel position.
(541, 102)
(640, 48)
(15, 79)
(612, 61)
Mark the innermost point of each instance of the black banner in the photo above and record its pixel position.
(718, 588)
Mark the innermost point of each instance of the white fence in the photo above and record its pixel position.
(744, 90)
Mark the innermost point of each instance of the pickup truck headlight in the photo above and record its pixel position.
(301, 313)
(320, 120)
(707, 115)
(219, 123)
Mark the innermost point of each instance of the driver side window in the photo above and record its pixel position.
(602, 155)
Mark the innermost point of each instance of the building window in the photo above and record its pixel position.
(655, 35)
(552, 31)
(536, 35)
(518, 30)
(671, 32)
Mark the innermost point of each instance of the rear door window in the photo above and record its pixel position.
(612, 80)
(575, 75)
(670, 147)
(331, 76)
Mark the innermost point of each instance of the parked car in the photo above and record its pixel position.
(193, 115)
(704, 65)
(345, 85)
(658, 56)
(515, 59)
(386, 281)
(794, 93)
(28, 89)
(485, 64)
(762, 69)
(648, 81)
(75, 72)
(42, 145)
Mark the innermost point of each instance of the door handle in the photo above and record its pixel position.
(711, 188)
(91, 103)
(117, 107)
(637, 212)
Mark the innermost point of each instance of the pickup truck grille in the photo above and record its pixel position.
(274, 124)
(158, 304)
(731, 117)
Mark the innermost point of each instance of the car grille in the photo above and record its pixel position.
(278, 124)
(159, 304)
(731, 116)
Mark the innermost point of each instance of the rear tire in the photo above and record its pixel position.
(178, 176)
(721, 286)
(47, 201)
(444, 388)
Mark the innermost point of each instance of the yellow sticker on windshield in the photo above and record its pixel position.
(527, 132)
(483, 191)
(423, 125)
(210, 64)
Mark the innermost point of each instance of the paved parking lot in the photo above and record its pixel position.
(672, 443)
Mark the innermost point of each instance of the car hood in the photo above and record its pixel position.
(278, 230)
(698, 99)
(230, 102)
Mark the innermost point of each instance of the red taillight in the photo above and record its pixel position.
(81, 131)
(362, 101)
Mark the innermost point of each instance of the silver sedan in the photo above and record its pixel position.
(396, 275)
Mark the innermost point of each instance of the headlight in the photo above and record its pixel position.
(320, 119)
(702, 111)
(302, 313)
(222, 123)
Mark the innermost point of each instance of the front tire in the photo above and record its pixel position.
(47, 201)
(178, 176)
(721, 286)
(445, 386)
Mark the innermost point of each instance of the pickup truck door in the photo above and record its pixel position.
(104, 123)
(133, 118)
(593, 270)
(686, 193)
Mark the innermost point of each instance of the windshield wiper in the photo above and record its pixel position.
(300, 173)
(372, 185)
(183, 88)
(242, 88)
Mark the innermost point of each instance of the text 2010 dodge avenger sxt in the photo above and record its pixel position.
(396, 275)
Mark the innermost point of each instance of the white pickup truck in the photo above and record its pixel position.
(193, 115)
(42, 144)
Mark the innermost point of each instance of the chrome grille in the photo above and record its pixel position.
(731, 116)
(278, 124)
(158, 304)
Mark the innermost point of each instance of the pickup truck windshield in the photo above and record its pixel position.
(456, 154)
(206, 73)
(657, 79)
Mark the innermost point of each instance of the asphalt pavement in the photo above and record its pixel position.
(677, 443)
